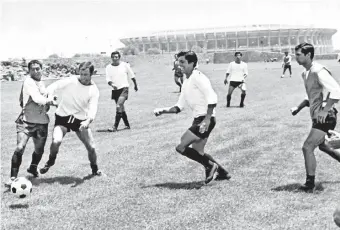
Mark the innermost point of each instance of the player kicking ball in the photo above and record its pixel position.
(198, 93)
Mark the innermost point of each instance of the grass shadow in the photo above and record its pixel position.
(295, 188)
(18, 206)
(107, 130)
(174, 185)
(64, 180)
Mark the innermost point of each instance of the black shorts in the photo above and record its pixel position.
(69, 122)
(289, 67)
(330, 122)
(123, 92)
(32, 129)
(235, 83)
(195, 128)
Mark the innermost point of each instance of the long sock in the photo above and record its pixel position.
(194, 155)
(94, 168)
(36, 157)
(242, 98)
(310, 180)
(228, 99)
(220, 167)
(118, 117)
(16, 162)
(125, 119)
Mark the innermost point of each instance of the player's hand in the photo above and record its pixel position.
(114, 87)
(204, 125)
(334, 139)
(84, 125)
(158, 112)
(136, 88)
(225, 81)
(321, 116)
(294, 110)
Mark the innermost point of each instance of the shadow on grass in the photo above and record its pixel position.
(295, 188)
(107, 130)
(64, 180)
(174, 185)
(18, 206)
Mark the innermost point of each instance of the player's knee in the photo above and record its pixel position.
(180, 149)
(39, 151)
(307, 148)
(243, 93)
(20, 149)
(56, 142)
(19, 152)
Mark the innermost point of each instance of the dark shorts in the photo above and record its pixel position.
(32, 129)
(285, 67)
(69, 122)
(123, 92)
(235, 83)
(330, 122)
(195, 128)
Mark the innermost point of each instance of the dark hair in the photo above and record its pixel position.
(286, 52)
(34, 62)
(238, 53)
(190, 56)
(87, 65)
(305, 49)
(114, 53)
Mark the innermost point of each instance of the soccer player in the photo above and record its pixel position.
(117, 76)
(322, 93)
(287, 64)
(32, 121)
(76, 110)
(238, 71)
(178, 75)
(198, 93)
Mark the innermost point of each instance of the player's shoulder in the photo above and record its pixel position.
(317, 67)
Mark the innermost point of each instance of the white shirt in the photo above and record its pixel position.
(35, 90)
(197, 93)
(287, 60)
(119, 75)
(77, 99)
(237, 72)
(330, 86)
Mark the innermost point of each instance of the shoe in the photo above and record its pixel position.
(9, 182)
(210, 173)
(44, 169)
(113, 129)
(33, 171)
(241, 105)
(97, 173)
(223, 176)
(228, 105)
(127, 127)
(307, 188)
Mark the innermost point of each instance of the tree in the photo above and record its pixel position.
(154, 51)
(53, 56)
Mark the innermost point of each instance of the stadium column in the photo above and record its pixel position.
(247, 40)
(236, 42)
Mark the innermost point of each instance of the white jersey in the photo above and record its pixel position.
(119, 75)
(237, 72)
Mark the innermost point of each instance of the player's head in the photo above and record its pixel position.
(34, 69)
(115, 56)
(286, 53)
(238, 56)
(187, 61)
(86, 70)
(304, 53)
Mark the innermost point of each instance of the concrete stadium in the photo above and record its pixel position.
(268, 38)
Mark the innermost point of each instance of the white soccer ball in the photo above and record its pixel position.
(21, 187)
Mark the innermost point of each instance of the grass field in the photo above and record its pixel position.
(150, 186)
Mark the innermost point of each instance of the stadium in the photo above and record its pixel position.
(268, 38)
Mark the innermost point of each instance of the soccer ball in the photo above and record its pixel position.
(21, 187)
(336, 216)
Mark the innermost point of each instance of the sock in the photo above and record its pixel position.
(118, 117)
(36, 159)
(228, 99)
(194, 155)
(16, 162)
(310, 180)
(94, 168)
(125, 119)
(242, 98)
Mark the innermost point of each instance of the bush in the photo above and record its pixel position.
(154, 51)
(130, 50)
(53, 56)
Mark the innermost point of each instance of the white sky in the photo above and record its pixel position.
(36, 29)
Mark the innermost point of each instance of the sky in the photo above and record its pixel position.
(36, 29)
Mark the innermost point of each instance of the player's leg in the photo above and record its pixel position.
(290, 70)
(284, 71)
(39, 141)
(314, 139)
(115, 96)
(199, 147)
(243, 96)
(183, 148)
(22, 139)
(121, 100)
(230, 92)
(85, 135)
(176, 78)
(59, 133)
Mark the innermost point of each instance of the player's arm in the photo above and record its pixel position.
(108, 79)
(227, 74)
(329, 83)
(32, 89)
(245, 71)
(59, 84)
(297, 109)
(93, 107)
(174, 109)
(132, 76)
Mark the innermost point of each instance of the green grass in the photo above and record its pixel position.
(150, 186)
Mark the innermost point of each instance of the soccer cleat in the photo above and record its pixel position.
(308, 188)
(97, 173)
(127, 127)
(241, 105)
(228, 104)
(44, 169)
(223, 176)
(33, 171)
(210, 173)
(9, 182)
(113, 129)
